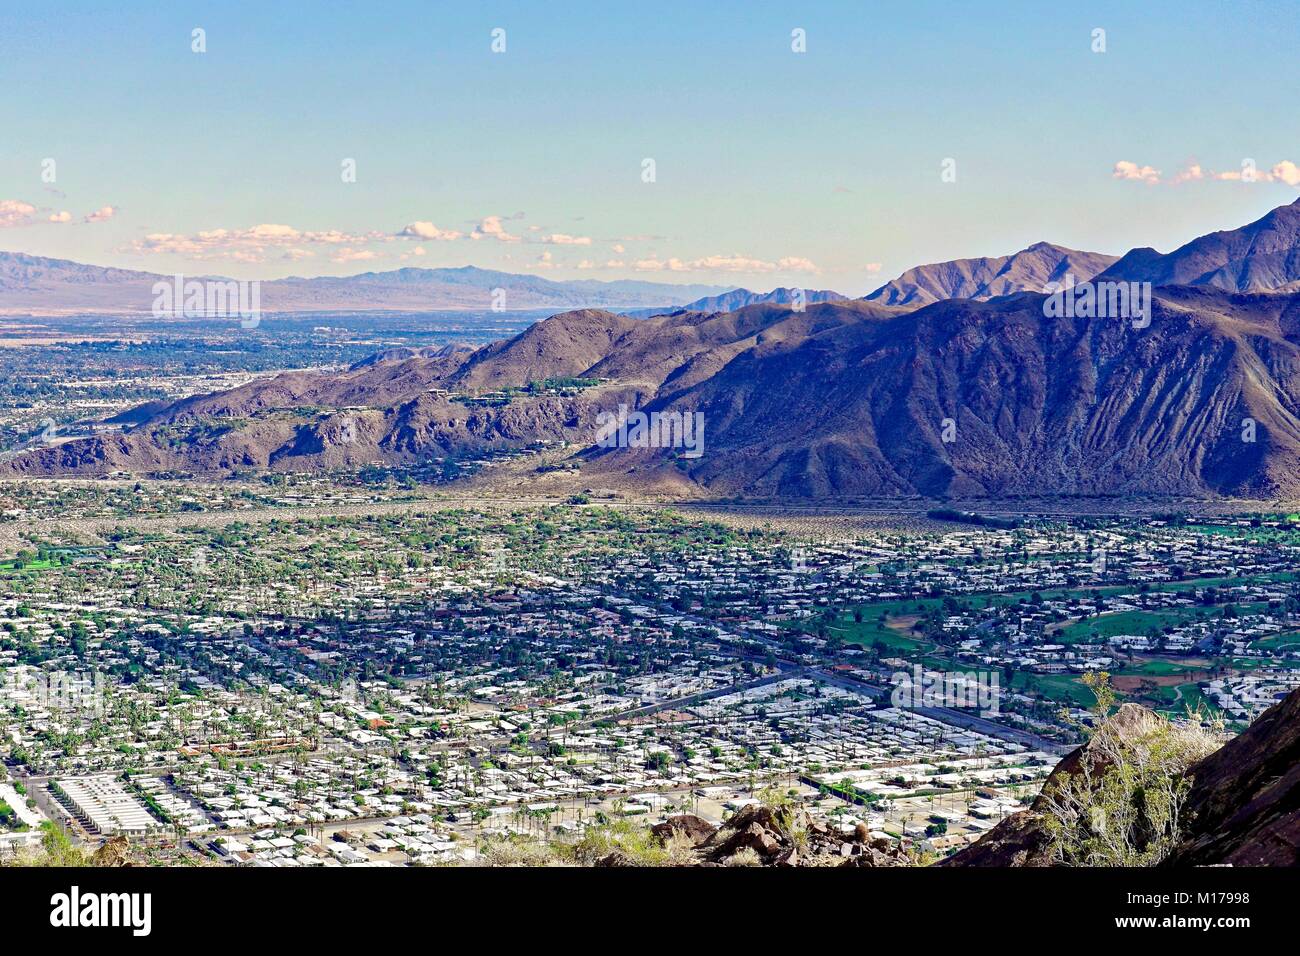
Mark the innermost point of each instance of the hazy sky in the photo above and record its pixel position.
(820, 169)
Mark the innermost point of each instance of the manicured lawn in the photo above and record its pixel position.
(1125, 622)
(1169, 702)
(1277, 642)
(1158, 667)
(33, 565)
(1062, 688)
(870, 629)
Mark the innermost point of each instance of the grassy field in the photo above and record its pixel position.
(1062, 688)
(888, 623)
(1159, 667)
(11, 567)
(1277, 642)
(1178, 700)
(1094, 629)
(1106, 626)
(893, 633)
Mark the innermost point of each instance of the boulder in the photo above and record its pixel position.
(696, 829)
(616, 858)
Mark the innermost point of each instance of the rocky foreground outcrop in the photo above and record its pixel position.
(758, 835)
(1242, 806)
(1022, 839)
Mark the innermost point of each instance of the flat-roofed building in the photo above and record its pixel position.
(104, 806)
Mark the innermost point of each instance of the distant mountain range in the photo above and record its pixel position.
(1028, 270)
(845, 398)
(1263, 256)
(961, 397)
(35, 285)
(740, 298)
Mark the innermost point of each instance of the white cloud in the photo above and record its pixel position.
(874, 266)
(659, 265)
(1288, 172)
(731, 263)
(1188, 174)
(102, 214)
(1127, 170)
(63, 216)
(1283, 172)
(560, 239)
(491, 228)
(427, 230)
(15, 212)
(248, 245)
(348, 254)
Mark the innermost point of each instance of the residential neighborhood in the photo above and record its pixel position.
(416, 687)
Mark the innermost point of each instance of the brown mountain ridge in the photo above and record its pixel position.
(983, 394)
(845, 398)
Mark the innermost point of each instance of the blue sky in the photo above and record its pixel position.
(819, 169)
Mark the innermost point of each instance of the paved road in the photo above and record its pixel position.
(948, 715)
(691, 699)
(48, 807)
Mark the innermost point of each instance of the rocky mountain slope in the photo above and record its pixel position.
(985, 395)
(845, 398)
(1056, 406)
(1029, 270)
(1242, 807)
(1263, 256)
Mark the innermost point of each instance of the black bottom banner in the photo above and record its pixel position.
(145, 906)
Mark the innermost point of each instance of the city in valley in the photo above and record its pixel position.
(549, 448)
(292, 672)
